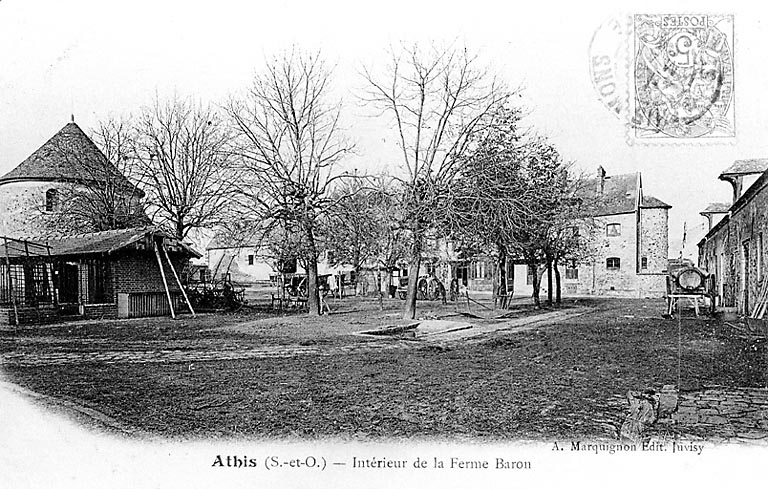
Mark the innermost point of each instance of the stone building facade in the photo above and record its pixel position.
(734, 248)
(628, 248)
(626, 255)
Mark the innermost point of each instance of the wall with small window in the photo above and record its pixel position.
(51, 200)
(613, 230)
(27, 207)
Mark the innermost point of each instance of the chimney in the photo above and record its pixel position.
(601, 177)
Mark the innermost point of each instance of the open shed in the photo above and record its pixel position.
(110, 274)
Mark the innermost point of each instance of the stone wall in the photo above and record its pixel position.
(22, 208)
(654, 240)
(735, 252)
(631, 280)
(594, 275)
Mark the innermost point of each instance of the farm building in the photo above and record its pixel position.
(67, 172)
(249, 263)
(109, 274)
(626, 255)
(734, 248)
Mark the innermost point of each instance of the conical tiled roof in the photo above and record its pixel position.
(69, 156)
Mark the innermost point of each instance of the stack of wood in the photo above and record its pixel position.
(762, 301)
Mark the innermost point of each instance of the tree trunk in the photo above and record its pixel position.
(532, 263)
(180, 229)
(501, 285)
(549, 281)
(558, 291)
(511, 290)
(313, 292)
(356, 267)
(413, 280)
(378, 286)
(536, 287)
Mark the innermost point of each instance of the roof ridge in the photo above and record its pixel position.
(59, 237)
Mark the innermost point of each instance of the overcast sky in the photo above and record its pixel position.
(93, 59)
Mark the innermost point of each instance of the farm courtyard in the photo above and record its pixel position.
(554, 373)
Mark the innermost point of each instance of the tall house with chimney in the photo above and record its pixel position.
(630, 244)
(734, 247)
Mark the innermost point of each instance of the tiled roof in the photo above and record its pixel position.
(716, 208)
(747, 167)
(654, 203)
(101, 242)
(228, 240)
(618, 195)
(68, 156)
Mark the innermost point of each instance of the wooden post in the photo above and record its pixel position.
(165, 282)
(10, 282)
(176, 276)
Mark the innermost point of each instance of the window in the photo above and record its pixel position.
(529, 276)
(462, 274)
(644, 263)
(250, 259)
(99, 284)
(613, 263)
(205, 275)
(571, 272)
(613, 229)
(51, 200)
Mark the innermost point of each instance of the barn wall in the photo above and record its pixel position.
(735, 252)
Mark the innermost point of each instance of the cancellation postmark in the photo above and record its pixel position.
(683, 76)
(668, 77)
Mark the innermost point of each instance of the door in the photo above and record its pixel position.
(67, 274)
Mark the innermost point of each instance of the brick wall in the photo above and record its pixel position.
(29, 316)
(139, 272)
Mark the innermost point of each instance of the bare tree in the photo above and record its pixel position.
(436, 99)
(354, 229)
(290, 144)
(184, 159)
(103, 194)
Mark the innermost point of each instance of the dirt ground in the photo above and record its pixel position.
(292, 376)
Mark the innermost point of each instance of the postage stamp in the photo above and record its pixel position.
(682, 76)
